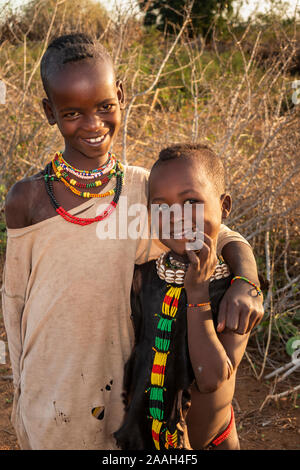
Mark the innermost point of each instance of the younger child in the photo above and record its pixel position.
(66, 293)
(180, 360)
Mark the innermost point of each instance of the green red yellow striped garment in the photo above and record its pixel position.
(161, 348)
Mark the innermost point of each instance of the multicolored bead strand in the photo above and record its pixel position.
(85, 194)
(99, 182)
(171, 439)
(249, 282)
(161, 349)
(80, 220)
(92, 174)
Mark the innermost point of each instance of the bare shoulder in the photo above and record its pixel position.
(20, 199)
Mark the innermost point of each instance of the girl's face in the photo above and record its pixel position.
(183, 182)
(85, 103)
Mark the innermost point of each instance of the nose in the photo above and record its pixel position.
(93, 123)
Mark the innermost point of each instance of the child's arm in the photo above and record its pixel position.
(15, 281)
(240, 309)
(17, 204)
(15, 275)
(214, 357)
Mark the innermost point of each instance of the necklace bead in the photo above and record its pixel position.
(173, 271)
(80, 220)
(97, 172)
(85, 194)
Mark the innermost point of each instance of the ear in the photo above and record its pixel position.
(48, 111)
(120, 93)
(226, 202)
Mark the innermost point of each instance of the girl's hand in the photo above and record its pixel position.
(201, 268)
(240, 309)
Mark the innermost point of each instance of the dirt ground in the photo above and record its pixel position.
(276, 427)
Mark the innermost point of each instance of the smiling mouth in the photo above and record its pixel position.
(95, 140)
(189, 234)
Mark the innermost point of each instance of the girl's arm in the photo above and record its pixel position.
(15, 275)
(241, 308)
(15, 280)
(214, 357)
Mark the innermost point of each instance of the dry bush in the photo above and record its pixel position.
(35, 16)
(180, 90)
(245, 112)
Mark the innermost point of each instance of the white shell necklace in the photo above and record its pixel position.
(173, 271)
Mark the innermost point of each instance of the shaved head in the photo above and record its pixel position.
(68, 49)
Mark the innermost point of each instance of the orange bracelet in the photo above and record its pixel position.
(205, 304)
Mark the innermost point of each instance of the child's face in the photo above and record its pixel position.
(183, 181)
(85, 103)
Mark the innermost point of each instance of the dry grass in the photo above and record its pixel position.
(231, 94)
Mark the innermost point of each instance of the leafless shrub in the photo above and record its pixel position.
(179, 90)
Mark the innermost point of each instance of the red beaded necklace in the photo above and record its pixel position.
(80, 220)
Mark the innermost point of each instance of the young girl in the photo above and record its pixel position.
(66, 293)
(179, 359)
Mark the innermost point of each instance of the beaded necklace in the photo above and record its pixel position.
(172, 272)
(156, 390)
(93, 174)
(59, 171)
(80, 220)
(86, 194)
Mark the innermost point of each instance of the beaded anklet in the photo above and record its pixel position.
(249, 282)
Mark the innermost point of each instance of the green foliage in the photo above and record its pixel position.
(3, 238)
(169, 15)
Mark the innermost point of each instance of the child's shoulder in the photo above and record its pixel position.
(137, 173)
(21, 198)
(136, 183)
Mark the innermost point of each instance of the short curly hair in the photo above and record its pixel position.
(203, 154)
(69, 48)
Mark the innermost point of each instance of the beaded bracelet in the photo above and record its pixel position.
(202, 307)
(249, 282)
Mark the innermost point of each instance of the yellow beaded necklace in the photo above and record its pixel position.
(85, 194)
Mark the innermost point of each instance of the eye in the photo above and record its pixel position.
(190, 201)
(163, 207)
(107, 107)
(71, 114)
